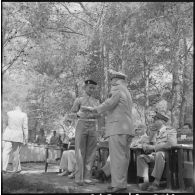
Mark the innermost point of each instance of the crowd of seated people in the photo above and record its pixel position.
(154, 141)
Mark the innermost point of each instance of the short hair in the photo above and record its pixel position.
(188, 124)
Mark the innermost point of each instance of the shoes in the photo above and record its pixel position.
(71, 176)
(88, 181)
(65, 173)
(79, 183)
(101, 176)
(153, 187)
(114, 190)
(144, 186)
(109, 187)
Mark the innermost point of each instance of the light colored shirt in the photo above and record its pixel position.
(137, 141)
(84, 101)
(17, 129)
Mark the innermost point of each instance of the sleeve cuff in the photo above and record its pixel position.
(98, 110)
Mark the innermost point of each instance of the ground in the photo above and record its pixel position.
(33, 179)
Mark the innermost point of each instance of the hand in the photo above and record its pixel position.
(86, 108)
(147, 148)
(81, 114)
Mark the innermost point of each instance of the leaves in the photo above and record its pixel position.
(59, 44)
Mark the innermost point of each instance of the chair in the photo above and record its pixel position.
(55, 148)
(132, 170)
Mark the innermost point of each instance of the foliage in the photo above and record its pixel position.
(49, 48)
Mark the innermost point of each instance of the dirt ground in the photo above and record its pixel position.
(33, 179)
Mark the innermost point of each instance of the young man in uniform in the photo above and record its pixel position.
(85, 135)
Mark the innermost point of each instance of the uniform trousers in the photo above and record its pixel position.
(159, 163)
(119, 159)
(14, 149)
(68, 161)
(85, 150)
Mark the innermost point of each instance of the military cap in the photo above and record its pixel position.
(115, 74)
(160, 116)
(89, 81)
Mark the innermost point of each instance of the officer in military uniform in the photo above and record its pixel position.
(85, 135)
(166, 137)
(119, 129)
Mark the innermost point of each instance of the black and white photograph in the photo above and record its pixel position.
(97, 97)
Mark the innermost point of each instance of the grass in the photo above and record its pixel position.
(20, 184)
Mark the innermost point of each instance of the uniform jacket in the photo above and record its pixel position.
(84, 101)
(119, 111)
(83, 125)
(17, 129)
(165, 138)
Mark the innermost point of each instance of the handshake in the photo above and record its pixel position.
(88, 109)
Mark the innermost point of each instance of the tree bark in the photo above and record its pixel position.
(184, 86)
(146, 90)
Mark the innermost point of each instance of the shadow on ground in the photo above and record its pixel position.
(33, 179)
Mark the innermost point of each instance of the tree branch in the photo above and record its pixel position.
(14, 59)
(65, 31)
(11, 38)
(86, 11)
(75, 15)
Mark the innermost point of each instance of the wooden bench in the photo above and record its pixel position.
(183, 155)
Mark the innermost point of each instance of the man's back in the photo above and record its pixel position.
(119, 118)
(16, 119)
(17, 126)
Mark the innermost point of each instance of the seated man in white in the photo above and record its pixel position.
(140, 136)
(68, 160)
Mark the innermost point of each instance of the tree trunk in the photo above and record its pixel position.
(184, 86)
(124, 48)
(146, 90)
(76, 88)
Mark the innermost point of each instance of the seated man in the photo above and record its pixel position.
(68, 161)
(165, 138)
(140, 136)
(41, 139)
(185, 135)
(54, 139)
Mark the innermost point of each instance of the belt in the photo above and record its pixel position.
(82, 119)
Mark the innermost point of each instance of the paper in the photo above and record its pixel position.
(85, 108)
(183, 137)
